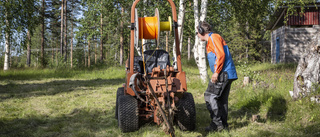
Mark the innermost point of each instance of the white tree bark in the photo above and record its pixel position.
(144, 41)
(180, 29)
(7, 52)
(199, 46)
(307, 76)
(181, 21)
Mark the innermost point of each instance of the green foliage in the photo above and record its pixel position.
(291, 10)
(81, 102)
(240, 23)
(244, 68)
(242, 26)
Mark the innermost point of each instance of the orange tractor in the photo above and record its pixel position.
(154, 89)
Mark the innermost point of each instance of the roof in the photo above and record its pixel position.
(278, 17)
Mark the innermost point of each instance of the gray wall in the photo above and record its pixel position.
(293, 42)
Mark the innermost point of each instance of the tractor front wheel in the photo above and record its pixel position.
(185, 117)
(120, 92)
(128, 113)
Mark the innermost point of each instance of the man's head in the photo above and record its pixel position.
(203, 31)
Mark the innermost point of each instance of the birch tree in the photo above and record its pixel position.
(180, 28)
(199, 46)
(7, 37)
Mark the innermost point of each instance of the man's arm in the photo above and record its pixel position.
(219, 52)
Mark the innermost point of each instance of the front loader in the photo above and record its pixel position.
(154, 89)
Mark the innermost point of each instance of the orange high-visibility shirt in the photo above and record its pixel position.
(217, 49)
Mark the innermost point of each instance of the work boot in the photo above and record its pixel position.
(211, 127)
(220, 128)
(214, 128)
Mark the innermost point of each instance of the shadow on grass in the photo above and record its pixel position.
(79, 122)
(38, 74)
(276, 110)
(278, 67)
(286, 66)
(312, 130)
(202, 118)
(309, 131)
(53, 87)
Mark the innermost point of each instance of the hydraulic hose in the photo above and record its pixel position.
(132, 86)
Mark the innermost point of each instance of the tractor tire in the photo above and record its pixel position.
(185, 117)
(128, 113)
(120, 92)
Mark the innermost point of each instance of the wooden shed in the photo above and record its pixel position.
(290, 40)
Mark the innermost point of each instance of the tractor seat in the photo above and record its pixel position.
(153, 58)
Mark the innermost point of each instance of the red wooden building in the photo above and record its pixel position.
(291, 38)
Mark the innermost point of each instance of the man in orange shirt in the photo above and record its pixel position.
(224, 72)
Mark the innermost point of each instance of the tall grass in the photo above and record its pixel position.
(49, 102)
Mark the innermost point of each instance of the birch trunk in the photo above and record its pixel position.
(180, 30)
(144, 41)
(307, 76)
(7, 52)
(181, 21)
(199, 46)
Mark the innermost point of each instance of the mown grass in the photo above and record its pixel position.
(36, 102)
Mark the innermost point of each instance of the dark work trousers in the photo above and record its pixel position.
(218, 106)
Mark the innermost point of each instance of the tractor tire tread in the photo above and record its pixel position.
(186, 114)
(120, 92)
(128, 113)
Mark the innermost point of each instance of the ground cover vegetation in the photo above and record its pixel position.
(66, 62)
(53, 102)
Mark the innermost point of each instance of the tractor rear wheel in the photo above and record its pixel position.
(128, 113)
(185, 117)
(120, 91)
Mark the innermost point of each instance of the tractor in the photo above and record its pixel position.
(154, 89)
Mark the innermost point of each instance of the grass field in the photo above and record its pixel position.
(50, 102)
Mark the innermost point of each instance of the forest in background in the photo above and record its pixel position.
(84, 33)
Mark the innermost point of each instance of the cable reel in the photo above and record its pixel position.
(150, 27)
